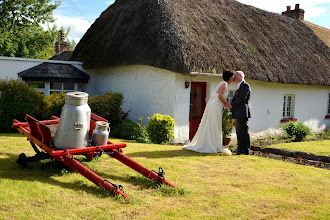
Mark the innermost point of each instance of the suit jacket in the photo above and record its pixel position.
(241, 102)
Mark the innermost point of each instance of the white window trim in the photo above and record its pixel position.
(285, 106)
(230, 98)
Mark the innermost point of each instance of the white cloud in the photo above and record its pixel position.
(314, 12)
(78, 27)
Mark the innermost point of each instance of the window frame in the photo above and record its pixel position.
(231, 94)
(47, 90)
(286, 105)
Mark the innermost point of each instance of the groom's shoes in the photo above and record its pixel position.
(240, 151)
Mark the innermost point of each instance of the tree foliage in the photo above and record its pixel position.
(21, 31)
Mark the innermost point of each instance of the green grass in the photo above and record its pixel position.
(211, 186)
(315, 147)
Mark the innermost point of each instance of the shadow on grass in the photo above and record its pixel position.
(170, 154)
(43, 170)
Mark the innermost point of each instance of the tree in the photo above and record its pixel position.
(21, 33)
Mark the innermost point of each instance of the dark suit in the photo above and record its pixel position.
(241, 112)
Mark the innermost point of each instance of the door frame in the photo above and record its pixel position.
(193, 125)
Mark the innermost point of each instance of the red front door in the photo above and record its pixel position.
(197, 106)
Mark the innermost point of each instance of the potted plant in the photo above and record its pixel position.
(227, 126)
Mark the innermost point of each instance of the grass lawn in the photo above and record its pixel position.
(214, 186)
(315, 147)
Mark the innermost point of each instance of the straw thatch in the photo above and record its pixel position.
(322, 32)
(188, 35)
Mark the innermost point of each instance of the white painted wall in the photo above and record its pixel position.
(146, 90)
(310, 106)
(10, 66)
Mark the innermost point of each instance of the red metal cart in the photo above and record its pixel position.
(39, 133)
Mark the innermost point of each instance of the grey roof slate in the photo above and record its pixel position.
(54, 72)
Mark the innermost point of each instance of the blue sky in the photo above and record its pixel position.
(80, 14)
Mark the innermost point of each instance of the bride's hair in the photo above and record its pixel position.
(227, 74)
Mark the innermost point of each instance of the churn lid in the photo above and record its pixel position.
(76, 98)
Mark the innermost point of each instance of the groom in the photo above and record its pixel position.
(241, 113)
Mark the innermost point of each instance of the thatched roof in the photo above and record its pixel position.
(185, 36)
(322, 32)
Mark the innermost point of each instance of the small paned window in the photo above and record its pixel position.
(48, 88)
(230, 96)
(37, 85)
(288, 104)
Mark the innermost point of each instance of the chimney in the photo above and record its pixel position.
(297, 13)
(62, 45)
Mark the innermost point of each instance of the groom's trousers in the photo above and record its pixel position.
(243, 136)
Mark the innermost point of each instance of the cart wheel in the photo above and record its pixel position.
(22, 160)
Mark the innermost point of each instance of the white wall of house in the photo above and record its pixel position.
(310, 105)
(10, 66)
(146, 90)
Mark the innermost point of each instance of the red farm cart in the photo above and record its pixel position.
(40, 136)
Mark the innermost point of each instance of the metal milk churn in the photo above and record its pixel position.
(73, 128)
(101, 133)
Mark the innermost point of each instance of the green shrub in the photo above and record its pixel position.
(130, 131)
(326, 134)
(296, 131)
(160, 128)
(143, 136)
(126, 130)
(53, 105)
(16, 100)
(227, 122)
(108, 106)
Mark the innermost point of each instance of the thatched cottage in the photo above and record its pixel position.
(167, 56)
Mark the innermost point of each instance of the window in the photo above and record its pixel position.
(40, 86)
(49, 88)
(288, 104)
(230, 95)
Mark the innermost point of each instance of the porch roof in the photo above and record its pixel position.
(54, 72)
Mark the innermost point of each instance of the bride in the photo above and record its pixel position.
(208, 138)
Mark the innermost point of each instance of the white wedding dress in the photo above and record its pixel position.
(208, 138)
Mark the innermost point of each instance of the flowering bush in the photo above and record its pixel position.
(160, 128)
(299, 160)
(320, 164)
(266, 154)
(296, 131)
